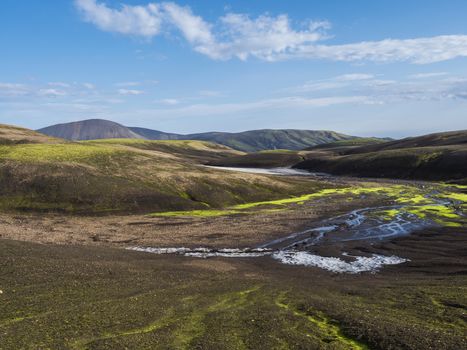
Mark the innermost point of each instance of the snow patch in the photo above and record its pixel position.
(207, 252)
(289, 257)
(360, 264)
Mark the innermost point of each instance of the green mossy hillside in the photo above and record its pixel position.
(128, 176)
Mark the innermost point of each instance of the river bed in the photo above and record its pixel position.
(297, 248)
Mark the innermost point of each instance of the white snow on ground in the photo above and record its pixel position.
(206, 252)
(161, 250)
(361, 263)
(227, 254)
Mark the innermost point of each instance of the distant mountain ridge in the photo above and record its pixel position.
(267, 139)
(90, 129)
(247, 141)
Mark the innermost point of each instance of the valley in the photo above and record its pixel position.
(145, 244)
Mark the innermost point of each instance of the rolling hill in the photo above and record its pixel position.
(439, 156)
(10, 135)
(248, 141)
(125, 176)
(431, 140)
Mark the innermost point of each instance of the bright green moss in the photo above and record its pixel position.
(437, 211)
(328, 330)
(82, 344)
(415, 199)
(391, 191)
(462, 197)
(390, 214)
(399, 192)
(418, 204)
(440, 214)
(69, 152)
(274, 202)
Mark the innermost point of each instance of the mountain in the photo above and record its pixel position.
(90, 129)
(259, 140)
(254, 140)
(439, 156)
(156, 134)
(248, 141)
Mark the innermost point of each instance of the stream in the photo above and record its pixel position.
(296, 248)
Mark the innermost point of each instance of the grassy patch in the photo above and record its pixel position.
(461, 197)
(69, 152)
(103, 176)
(441, 214)
(402, 193)
(416, 201)
(330, 332)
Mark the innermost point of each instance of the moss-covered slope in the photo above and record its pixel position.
(127, 175)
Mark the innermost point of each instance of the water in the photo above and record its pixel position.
(296, 248)
(271, 171)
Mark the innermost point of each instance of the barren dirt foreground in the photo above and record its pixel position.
(361, 265)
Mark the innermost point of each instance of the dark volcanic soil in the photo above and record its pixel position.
(66, 283)
(74, 297)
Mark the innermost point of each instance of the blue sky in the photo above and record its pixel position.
(382, 68)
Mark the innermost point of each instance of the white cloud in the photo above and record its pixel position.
(51, 89)
(265, 37)
(195, 30)
(11, 89)
(354, 76)
(170, 101)
(414, 88)
(89, 86)
(319, 86)
(133, 20)
(128, 84)
(210, 93)
(379, 82)
(59, 84)
(130, 92)
(51, 93)
(201, 110)
(337, 82)
(241, 36)
(418, 51)
(427, 75)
